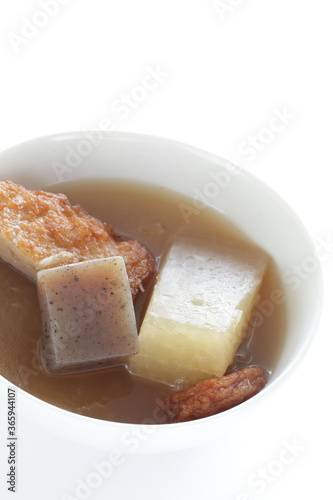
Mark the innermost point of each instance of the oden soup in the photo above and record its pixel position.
(151, 215)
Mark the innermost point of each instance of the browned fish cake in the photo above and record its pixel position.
(214, 395)
(40, 230)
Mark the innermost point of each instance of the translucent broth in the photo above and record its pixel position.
(152, 215)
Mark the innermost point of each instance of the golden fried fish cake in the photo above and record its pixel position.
(40, 230)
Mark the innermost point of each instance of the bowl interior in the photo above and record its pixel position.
(247, 202)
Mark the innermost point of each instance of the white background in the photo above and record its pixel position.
(225, 72)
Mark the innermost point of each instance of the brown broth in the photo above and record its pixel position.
(152, 215)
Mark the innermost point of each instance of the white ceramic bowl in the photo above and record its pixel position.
(250, 204)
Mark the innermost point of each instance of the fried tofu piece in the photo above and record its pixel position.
(40, 230)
